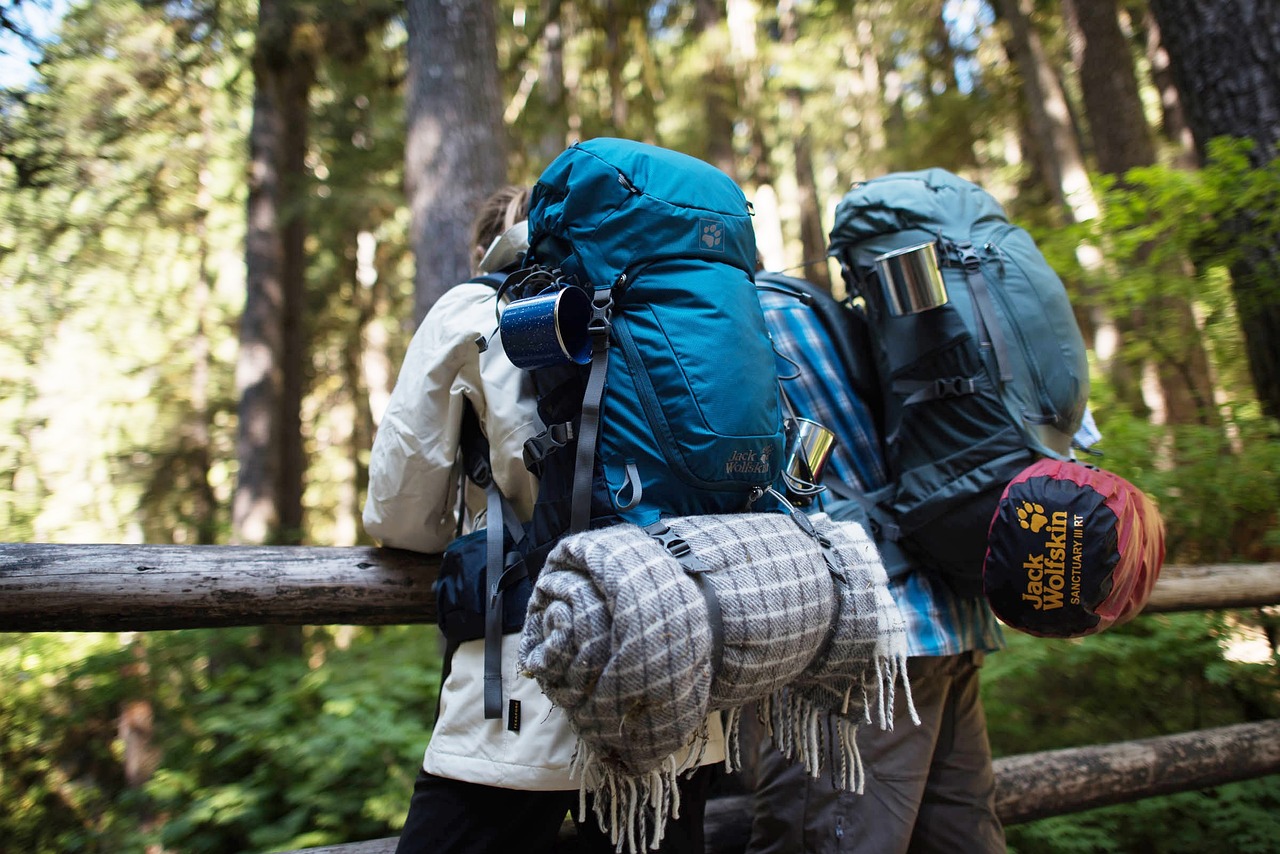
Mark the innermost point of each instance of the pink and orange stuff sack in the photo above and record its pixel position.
(1072, 550)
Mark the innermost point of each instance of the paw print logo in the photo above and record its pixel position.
(711, 234)
(1031, 517)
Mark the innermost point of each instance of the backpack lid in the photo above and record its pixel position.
(1072, 550)
(605, 205)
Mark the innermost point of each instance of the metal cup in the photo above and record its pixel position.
(911, 278)
(808, 446)
(547, 329)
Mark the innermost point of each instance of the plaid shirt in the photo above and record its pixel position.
(819, 388)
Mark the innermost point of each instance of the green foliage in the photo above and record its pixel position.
(1219, 501)
(1045, 693)
(258, 752)
(1167, 244)
(57, 723)
(1240, 817)
(1157, 675)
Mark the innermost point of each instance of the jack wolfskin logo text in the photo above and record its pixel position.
(748, 462)
(711, 234)
(1062, 553)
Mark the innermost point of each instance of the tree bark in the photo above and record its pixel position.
(720, 101)
(1173, 120)
(1060, 160)
(455, 153)
(1059, 782)
(1225, 59)
(267, 506)
(1122, 140)
(813, 237)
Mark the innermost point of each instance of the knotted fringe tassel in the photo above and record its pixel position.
(806, 732)
(633, 809)
(799, 730)
(891, 669)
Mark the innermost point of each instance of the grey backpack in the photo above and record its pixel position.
(973, 389)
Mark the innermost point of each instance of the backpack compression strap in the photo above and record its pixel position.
(589, 427)
(502, 569)
(987, 319)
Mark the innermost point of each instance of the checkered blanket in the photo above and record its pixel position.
(620, 637)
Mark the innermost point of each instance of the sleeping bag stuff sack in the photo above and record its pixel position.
(1072, 550)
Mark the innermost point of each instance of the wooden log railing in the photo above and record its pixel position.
(149, 588)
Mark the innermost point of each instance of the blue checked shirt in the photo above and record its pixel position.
(818, 387)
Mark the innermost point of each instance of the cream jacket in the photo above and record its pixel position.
(413, 485)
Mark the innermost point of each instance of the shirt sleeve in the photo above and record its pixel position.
(413, 465)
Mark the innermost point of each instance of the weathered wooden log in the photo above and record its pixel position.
(1038, 785)
(1224, 585)
(147, 588)
(47, 587)
(1058, 782)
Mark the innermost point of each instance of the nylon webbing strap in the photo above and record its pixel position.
(589, 426)
(918, 391)
(986, 310)
(698, 571)
(493, 605)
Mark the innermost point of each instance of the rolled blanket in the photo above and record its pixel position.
(620, 636)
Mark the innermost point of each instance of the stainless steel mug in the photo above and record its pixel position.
(808, 446)
(911, 278)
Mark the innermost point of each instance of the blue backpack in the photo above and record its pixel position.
(680, 412)
(974, 390)
(677, 411)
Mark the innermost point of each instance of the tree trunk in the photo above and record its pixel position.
(1225, 59)
(720, 99)
(813, 237)
(204, 514)
(759, 177)
(455, 153)
(269, 376)
(1060, 159)
(1173, 120)
(1122, 141)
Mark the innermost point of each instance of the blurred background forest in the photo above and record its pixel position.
(210, 212)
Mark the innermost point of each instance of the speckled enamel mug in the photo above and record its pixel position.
(547, 329)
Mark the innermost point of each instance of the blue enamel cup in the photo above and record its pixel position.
(547, 329)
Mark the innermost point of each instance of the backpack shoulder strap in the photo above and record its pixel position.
(493, 280)
(846, 328)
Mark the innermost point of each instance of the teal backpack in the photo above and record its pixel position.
(680, 411)
(974, 390)
(677, 411)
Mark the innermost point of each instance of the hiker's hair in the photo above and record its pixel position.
(501, 210)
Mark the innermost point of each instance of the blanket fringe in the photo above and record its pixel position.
(633, 809)
(806, 732)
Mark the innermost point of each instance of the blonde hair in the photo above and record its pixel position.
(501, 210)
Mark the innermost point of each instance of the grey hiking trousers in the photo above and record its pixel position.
(928, 788)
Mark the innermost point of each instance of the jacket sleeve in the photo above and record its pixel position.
(413, 468)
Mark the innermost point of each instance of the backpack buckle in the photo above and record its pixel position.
(954, 387)
(479, 472)
(546, 443)
(676, 547)
(601, 313)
